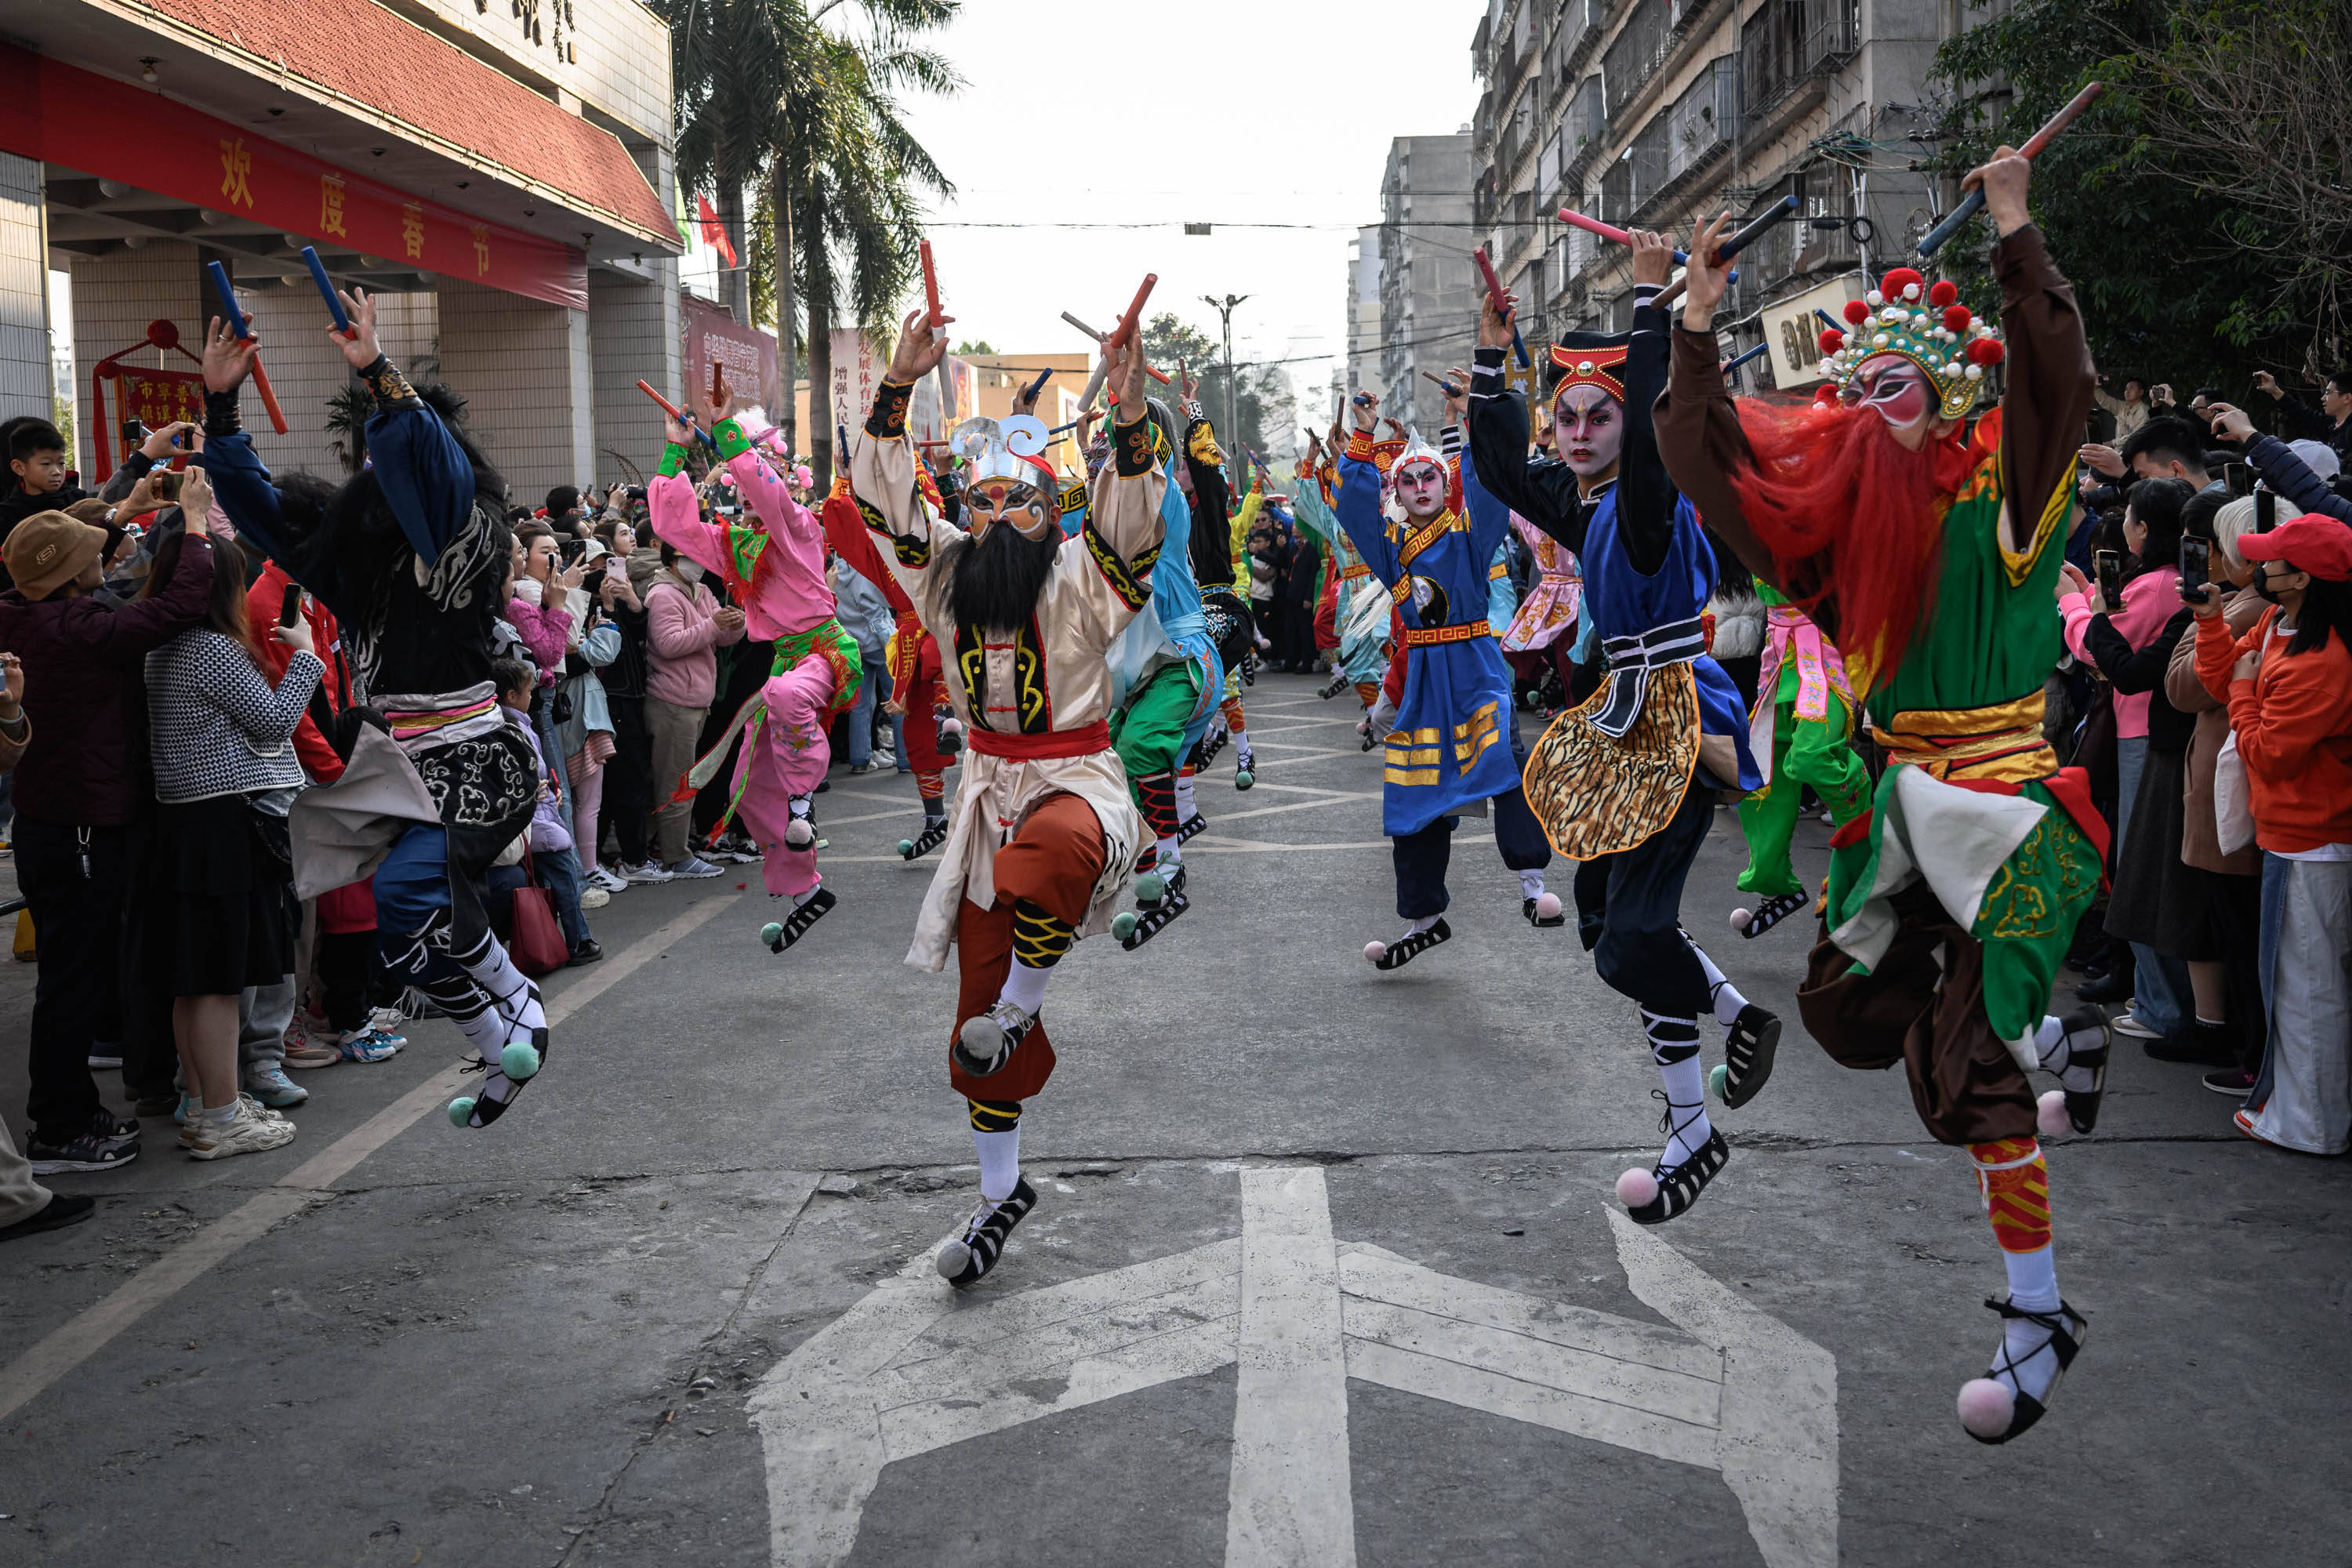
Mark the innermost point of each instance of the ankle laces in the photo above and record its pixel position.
(1672, 1129)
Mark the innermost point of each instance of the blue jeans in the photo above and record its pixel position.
(559, 873)
(873, 689)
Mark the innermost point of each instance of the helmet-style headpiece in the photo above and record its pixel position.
(1924, 323)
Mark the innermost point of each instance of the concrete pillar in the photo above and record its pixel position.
(114, 298)
(25, 382)
(523, 368)
(632, 330)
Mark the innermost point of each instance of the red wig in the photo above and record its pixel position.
(1853, 519)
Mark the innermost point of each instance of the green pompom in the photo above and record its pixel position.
(1717, 1078)
(461, 1110)
(772, 933)
(1150, 888)
(520, 1061)
(906, 849)
(1122, 924)
(1243, 778)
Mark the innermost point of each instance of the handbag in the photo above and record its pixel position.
(538, 947)
(2233, 805)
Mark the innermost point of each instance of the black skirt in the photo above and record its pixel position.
(2159, 900)
(224, 900)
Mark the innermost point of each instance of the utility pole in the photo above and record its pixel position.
(1225, 309)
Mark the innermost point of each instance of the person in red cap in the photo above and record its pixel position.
(2288, 686)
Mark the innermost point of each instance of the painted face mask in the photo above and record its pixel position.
(1024, 507)
(1588, 430)
(1421, 489)
(1895, 389)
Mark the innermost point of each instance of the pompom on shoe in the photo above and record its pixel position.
(1997, 1409)
(1405, 949)
(780, 936)
(1543, 911)
(798, 834)
(987, 1040)
(2049, 1116)
(1755, 922)
(966, 1259)
(488, 1104)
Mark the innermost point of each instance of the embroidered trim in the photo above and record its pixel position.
(1423, 637)
(390, 388)
(888, 419)
(1135, 444)
(1131, 584)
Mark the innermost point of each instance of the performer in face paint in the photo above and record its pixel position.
(1929, 553)
(1625, 782)
(1044, 834)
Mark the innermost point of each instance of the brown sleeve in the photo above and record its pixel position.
(2051, 380)
(1702, 445)
(2182, 688)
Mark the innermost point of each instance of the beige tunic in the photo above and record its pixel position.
(1018, 682)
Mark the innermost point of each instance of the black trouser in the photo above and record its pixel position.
(1421, 856)
(348, 966)
(1628, 913)
(72, 879)
(628, 802)
(738, 683)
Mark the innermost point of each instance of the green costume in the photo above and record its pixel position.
(1802, 723)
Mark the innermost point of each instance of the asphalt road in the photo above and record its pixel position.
(1325, 1269)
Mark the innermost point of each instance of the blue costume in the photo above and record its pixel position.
(1456, 741)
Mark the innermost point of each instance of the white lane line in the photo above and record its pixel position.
(88, 1331)
(1290, 1500)
(1778, 1444)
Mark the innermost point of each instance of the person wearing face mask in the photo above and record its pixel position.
(774, 568)
(1044, 835)
(1625, 782)
(1931, 556)
(1456, 741)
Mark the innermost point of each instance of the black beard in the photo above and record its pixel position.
(996, 580)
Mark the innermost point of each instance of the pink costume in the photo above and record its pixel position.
(1791, 637)
(1549, 609)
(776, 572)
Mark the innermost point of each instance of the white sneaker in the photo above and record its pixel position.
(593, 897)
(2124, 1024)
(244, 1133)
(607, 879)
(651, 871)
(693, 866)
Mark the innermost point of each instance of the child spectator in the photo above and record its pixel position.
(37, 462)
(551, 834)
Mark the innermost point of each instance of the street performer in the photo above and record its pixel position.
(774, 570)
(1044, 836)
(411, 556)
(1929, 556)
(1456, 741)
(1625, 782)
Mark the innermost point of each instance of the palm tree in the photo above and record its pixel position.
(762, 90)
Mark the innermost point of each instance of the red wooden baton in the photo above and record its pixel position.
(671, 409)
(930, 280)
(1973, 203)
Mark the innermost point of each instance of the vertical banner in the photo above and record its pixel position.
(857, 367)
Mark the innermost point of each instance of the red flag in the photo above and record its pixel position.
(714, 233)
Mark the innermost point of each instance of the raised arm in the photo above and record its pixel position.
(1646, 496)
(675, 510)
(2050, 374)
(1358, 509)
(1700, 443)
(244, 695)
(882, 467)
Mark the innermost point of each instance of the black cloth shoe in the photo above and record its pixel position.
(1193, 826)
(1528, 908)
(1405, 949)
(2090, 1040)
(2115, 986)
(934, 834)
(1748, 1046)
(2201, 1045)
(585, 950)
(971, 1255)
(62, 1210)
(2067, 1330)
(987, 1040)
(780, 936)
(1771, 913)
(1680, 1186)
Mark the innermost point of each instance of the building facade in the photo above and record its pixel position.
(499, 175)
(1428, 303)
(1362, 365)
(1654, 113)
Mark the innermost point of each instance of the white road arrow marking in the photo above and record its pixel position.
(915, 1366)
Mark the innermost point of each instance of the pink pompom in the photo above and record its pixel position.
(1546, 906)
(1376, 950)
(1739, 919)
(1637, 1188)
(1986, 1407)
(2050, 1114)
(798, 834)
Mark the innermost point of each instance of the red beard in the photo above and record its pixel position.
(1853, 519)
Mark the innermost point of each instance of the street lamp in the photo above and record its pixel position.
(1225, 309)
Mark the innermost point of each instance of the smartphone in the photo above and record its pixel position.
(614, 566)
(290, 606)
(133, 433)
(2109, 566)
(569, 550)
(2265, 511)
(2240, 478)
(2196, 567)
(167, 486)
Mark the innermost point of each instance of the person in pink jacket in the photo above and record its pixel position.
(684, 628)
(775, 570)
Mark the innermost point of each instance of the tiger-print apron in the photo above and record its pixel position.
(1595, 795)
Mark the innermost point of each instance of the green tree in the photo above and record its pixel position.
(1262, 400)
(2178, 282)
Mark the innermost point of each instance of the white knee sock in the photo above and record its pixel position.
(1423, 924)
(1531, 884)
(511, 993)
(2033, 1288)
(1171, 854)
(1025, 986)
(1723, 992)
(2056, 1047)
(1000, 1161)
(1185, 810)
(1674, 1046)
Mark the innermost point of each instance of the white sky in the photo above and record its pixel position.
(1287, 111)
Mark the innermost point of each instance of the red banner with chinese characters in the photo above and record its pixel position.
(749, 355)
(118, 131)
(153, 397)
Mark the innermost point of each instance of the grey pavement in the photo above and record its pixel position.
(1324, 1269)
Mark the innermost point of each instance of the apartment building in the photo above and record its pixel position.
(1651, 113)
(1428, 307)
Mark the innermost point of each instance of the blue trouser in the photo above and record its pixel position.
(861, 716)
(2159, 982)
(1628, 913)
(559, 873)
(412, 897)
